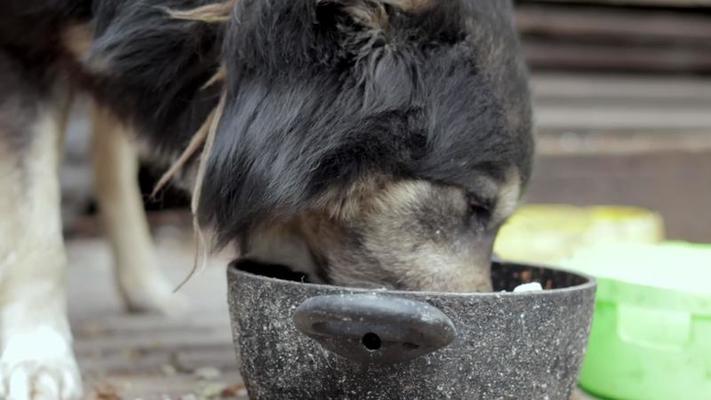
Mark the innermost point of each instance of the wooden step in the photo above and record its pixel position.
(566, 103)
(647, 3)
(626, 140)
(614, 24)
(558, 36)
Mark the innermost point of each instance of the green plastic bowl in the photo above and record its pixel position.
(651, 331)
(551, 233)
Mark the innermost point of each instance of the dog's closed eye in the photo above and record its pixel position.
(479, 208)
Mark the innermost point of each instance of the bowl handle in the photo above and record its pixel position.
(373, 328)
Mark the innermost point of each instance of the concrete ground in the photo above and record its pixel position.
(148, 357)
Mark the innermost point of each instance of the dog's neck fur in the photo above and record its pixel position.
(283, 245)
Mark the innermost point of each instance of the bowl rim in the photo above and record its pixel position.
(590, 283)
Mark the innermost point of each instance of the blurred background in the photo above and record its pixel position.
(623, 105)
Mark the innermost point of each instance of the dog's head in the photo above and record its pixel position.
(370, 142)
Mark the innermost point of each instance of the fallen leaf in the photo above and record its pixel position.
(106, 392)
(233, 391)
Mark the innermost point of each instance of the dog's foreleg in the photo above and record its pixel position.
(37, 360)
(140, 281)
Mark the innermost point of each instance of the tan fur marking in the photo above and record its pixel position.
(437, 259)
(372, 13)
(346, 203)
(410, 5)
(508, 197)
(283, 243)
(392, 250)
(210, 13)
(402, 194)
(77, 39)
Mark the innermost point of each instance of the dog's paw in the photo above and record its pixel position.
(40, 380)
(152, 294)
(39, 366)
(154, 302)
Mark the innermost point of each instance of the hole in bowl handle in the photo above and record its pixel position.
(373, 328)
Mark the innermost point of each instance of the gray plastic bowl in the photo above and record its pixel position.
(305, 341)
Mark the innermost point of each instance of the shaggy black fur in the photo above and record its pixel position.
(33, 25)
(151, 68)
(315, 100)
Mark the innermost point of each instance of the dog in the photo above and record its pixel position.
(372, 143)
